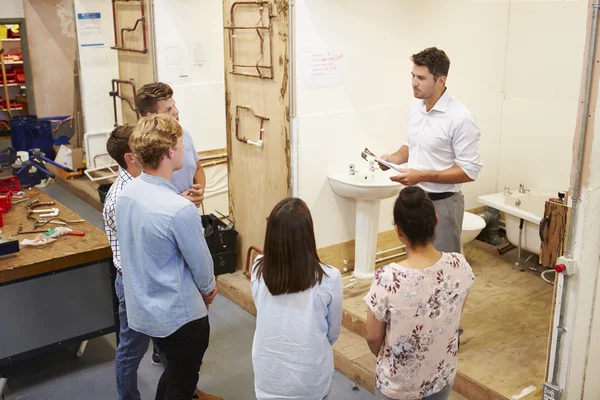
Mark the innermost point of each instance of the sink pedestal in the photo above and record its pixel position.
(368, 189)
(365, 244)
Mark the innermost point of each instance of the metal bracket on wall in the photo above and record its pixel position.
(237, 126)
(141, 20)
(116, 92)
(263, 71)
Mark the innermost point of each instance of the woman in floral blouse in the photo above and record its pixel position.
(415, 308)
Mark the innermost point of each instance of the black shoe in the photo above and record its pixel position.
(156, 359)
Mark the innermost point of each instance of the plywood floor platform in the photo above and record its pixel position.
(506, 323)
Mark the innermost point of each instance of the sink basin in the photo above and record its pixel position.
(368, 189)
(371, 185)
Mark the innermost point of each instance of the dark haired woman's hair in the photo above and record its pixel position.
(290, 263)
(414, 213)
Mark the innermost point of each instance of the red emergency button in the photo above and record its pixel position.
(560, 268)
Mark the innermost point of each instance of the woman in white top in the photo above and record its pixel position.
(299, 309)
(415, 308)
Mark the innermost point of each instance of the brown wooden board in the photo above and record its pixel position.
(259, 177)
(67, 251)
(553, 228)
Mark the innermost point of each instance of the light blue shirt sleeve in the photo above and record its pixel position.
(335, 307)
(187, 230)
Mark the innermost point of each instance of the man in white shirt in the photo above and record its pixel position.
(442, 146)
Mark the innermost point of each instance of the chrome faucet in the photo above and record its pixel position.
(507, 190)
(352, 170)
(522, 188)
(372, 165)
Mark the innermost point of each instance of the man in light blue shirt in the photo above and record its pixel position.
(167, 268)
(190, 180)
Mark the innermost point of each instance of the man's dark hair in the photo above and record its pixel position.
(414, 213)
(148, 96)
(436, 61)
(290, 263)
(118, 144)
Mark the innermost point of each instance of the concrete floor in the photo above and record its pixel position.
(226, 372)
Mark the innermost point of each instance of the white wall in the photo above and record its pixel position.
(189, 51)
(367, 106)
(11, 9)
(98, 66)
(546, 41)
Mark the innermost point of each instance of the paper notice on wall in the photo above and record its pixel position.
(323, 68)
(199, 54)
(177, 68)
(89, 28)
(95, 58)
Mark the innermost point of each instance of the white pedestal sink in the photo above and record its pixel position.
(368, 189)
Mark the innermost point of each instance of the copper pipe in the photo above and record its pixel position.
(116, 92)
(70, 119)
(213, 163)
(247, 27)
(237, 124)
(123, 30)
(247, 272)
(142, 19)
(259, 25)
(212, 157)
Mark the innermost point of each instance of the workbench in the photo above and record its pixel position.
(56, 294)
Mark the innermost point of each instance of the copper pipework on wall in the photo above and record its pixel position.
(116, 92)
(141, 20)
(237, 126)
(259, 27)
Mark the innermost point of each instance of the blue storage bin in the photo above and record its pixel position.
(18, 132)
(39, 136)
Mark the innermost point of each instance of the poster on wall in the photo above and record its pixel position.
(322, 68)
(89, 28)
(175, 64)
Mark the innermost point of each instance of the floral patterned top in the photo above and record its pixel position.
(422, 310)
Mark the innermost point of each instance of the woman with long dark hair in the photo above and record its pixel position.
(415, 308)
(299, 309)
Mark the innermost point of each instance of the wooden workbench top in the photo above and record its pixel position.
(65, 252)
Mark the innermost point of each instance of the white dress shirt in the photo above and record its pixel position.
(445, 136)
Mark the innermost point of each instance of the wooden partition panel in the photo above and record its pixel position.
(259, 176)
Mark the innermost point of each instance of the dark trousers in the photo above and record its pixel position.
(184, 351)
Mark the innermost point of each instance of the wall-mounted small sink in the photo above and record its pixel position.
(368, 189)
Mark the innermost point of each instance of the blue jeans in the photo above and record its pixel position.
(132, 347)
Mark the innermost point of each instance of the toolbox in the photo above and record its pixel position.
(221, 239)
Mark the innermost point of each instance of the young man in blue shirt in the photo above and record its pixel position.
(190, 180)
(168, 272)
(132, 345)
